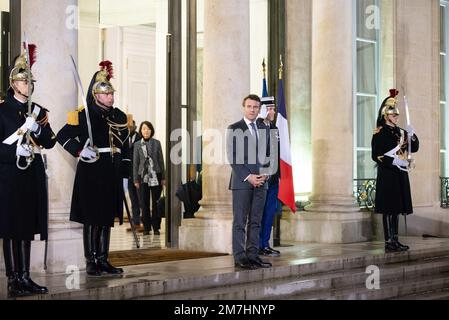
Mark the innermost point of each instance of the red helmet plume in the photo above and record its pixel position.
(107, 65)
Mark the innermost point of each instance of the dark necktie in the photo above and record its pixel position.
(253, 126)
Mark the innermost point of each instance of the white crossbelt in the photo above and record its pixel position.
(22, 130)
(109, 150)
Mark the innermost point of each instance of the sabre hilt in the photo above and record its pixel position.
(29, 159)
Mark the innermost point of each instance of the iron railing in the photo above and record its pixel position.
(444, 197)
(365, 194)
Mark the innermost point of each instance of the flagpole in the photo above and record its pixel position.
(281, 67)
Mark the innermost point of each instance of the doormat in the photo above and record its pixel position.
(148, 256)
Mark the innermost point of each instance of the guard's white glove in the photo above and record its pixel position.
(23, 150)
(125, 185)
(400, 162)
(32, 125)
(87, 153)
(410, 131)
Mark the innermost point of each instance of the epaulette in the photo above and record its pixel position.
(73, 117)
(377, 130)
(44, 121)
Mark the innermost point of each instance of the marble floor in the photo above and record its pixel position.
(296, 254)
(123, 240)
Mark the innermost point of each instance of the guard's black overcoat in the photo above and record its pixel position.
(98, 189)
(23, 194)
(393, 194)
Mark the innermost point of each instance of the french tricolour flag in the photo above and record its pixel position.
(286, 189)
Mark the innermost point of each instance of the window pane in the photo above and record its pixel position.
(366, 68)
(443, 126)
(443, 29)
(443, 78)
(444, 164)
(366, 121)
(366, 167)
(367, 19)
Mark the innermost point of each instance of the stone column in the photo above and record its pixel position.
(298, 89)
(226, 83)
(52, 26)
(418, 72)
(332, 216)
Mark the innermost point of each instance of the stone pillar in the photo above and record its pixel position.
(332, 217)
(298, 74)
(418, 72)
(226, 83)
(52, 26)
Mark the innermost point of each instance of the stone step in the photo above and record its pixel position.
(393, 290)
(286, 277)
(442, 294)
(287, 287)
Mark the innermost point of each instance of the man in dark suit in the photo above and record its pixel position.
(248, 185)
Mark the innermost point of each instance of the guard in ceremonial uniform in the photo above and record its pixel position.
(97, 136)
(390, 145)
(266, 120)
(23, 190)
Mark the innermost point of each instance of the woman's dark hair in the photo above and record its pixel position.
(149, 125)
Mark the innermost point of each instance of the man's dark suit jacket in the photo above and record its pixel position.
(241, 152)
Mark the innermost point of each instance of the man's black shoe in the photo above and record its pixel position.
(275, 251)
(268, 252)
(260, 263)
(246, 265)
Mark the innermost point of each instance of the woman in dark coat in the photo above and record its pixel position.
(390, 152)
(23, 192)
(149, 176)
(98, 189)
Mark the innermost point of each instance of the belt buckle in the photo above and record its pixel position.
(114, 149)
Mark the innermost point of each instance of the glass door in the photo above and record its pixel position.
(4, 47)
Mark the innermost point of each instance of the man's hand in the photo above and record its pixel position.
(410, 131)
(400, 162)
(88, 154)
(257, 181)
(137, 184)
(32, 125)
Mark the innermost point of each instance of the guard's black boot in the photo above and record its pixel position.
(24, 270)
(89, 240)
(390, 245)
(103, 252)
(10, 253)
(395, 225)
(15, 289)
